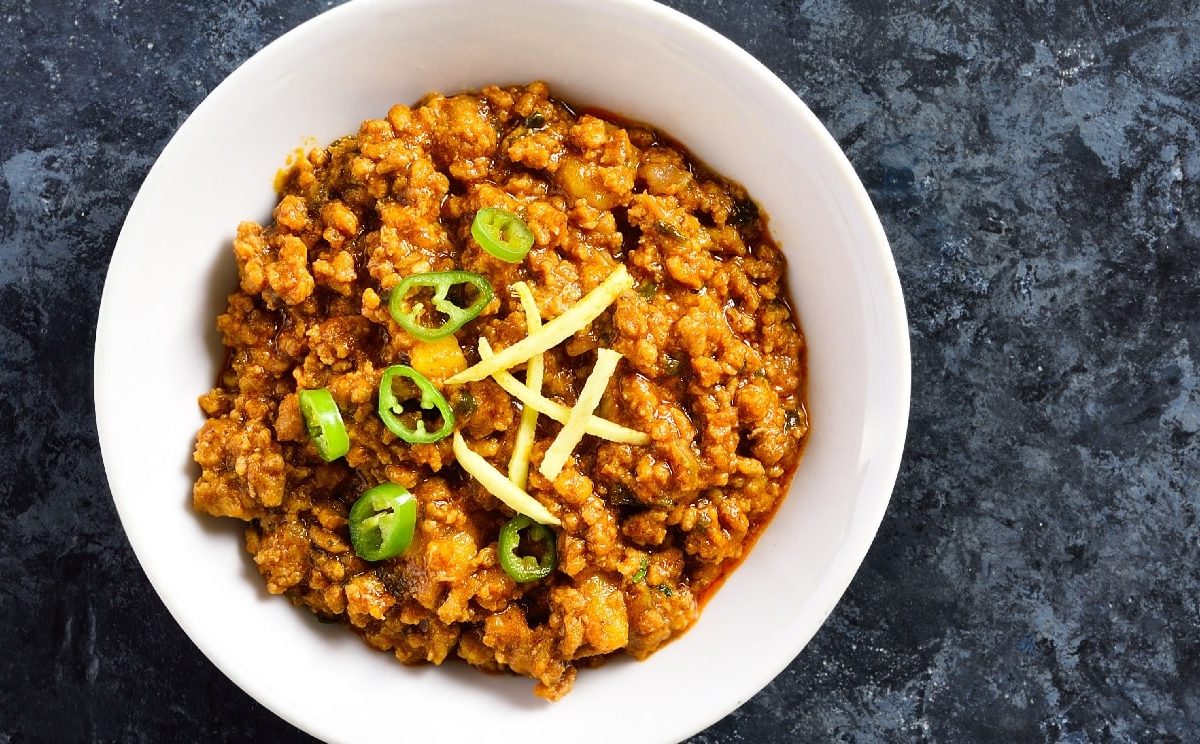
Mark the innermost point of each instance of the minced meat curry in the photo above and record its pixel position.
(359, 431)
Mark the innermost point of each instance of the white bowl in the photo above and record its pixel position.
(157, 350)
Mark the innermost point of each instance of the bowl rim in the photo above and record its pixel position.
(889, 458)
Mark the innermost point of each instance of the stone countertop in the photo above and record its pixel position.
(1035, 164)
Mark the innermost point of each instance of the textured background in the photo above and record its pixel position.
(1035, 165)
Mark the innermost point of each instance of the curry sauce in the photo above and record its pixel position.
(712, 370)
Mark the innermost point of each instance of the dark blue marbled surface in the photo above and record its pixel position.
(1035, 165)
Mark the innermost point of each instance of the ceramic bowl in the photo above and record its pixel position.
(157, 350)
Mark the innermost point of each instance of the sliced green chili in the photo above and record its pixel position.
(525, 568)
(324, 423)
(502, 234)
(382, 522)
(409, 316)
(391, 407)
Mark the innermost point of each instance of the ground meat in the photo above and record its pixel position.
(713, 372)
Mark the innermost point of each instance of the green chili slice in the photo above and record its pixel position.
(324, 423)
(409, 315)
(525, 568)
(382, 522)
(502, 234)
(391, 407)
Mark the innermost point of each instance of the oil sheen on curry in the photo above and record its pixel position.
(507, 383)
